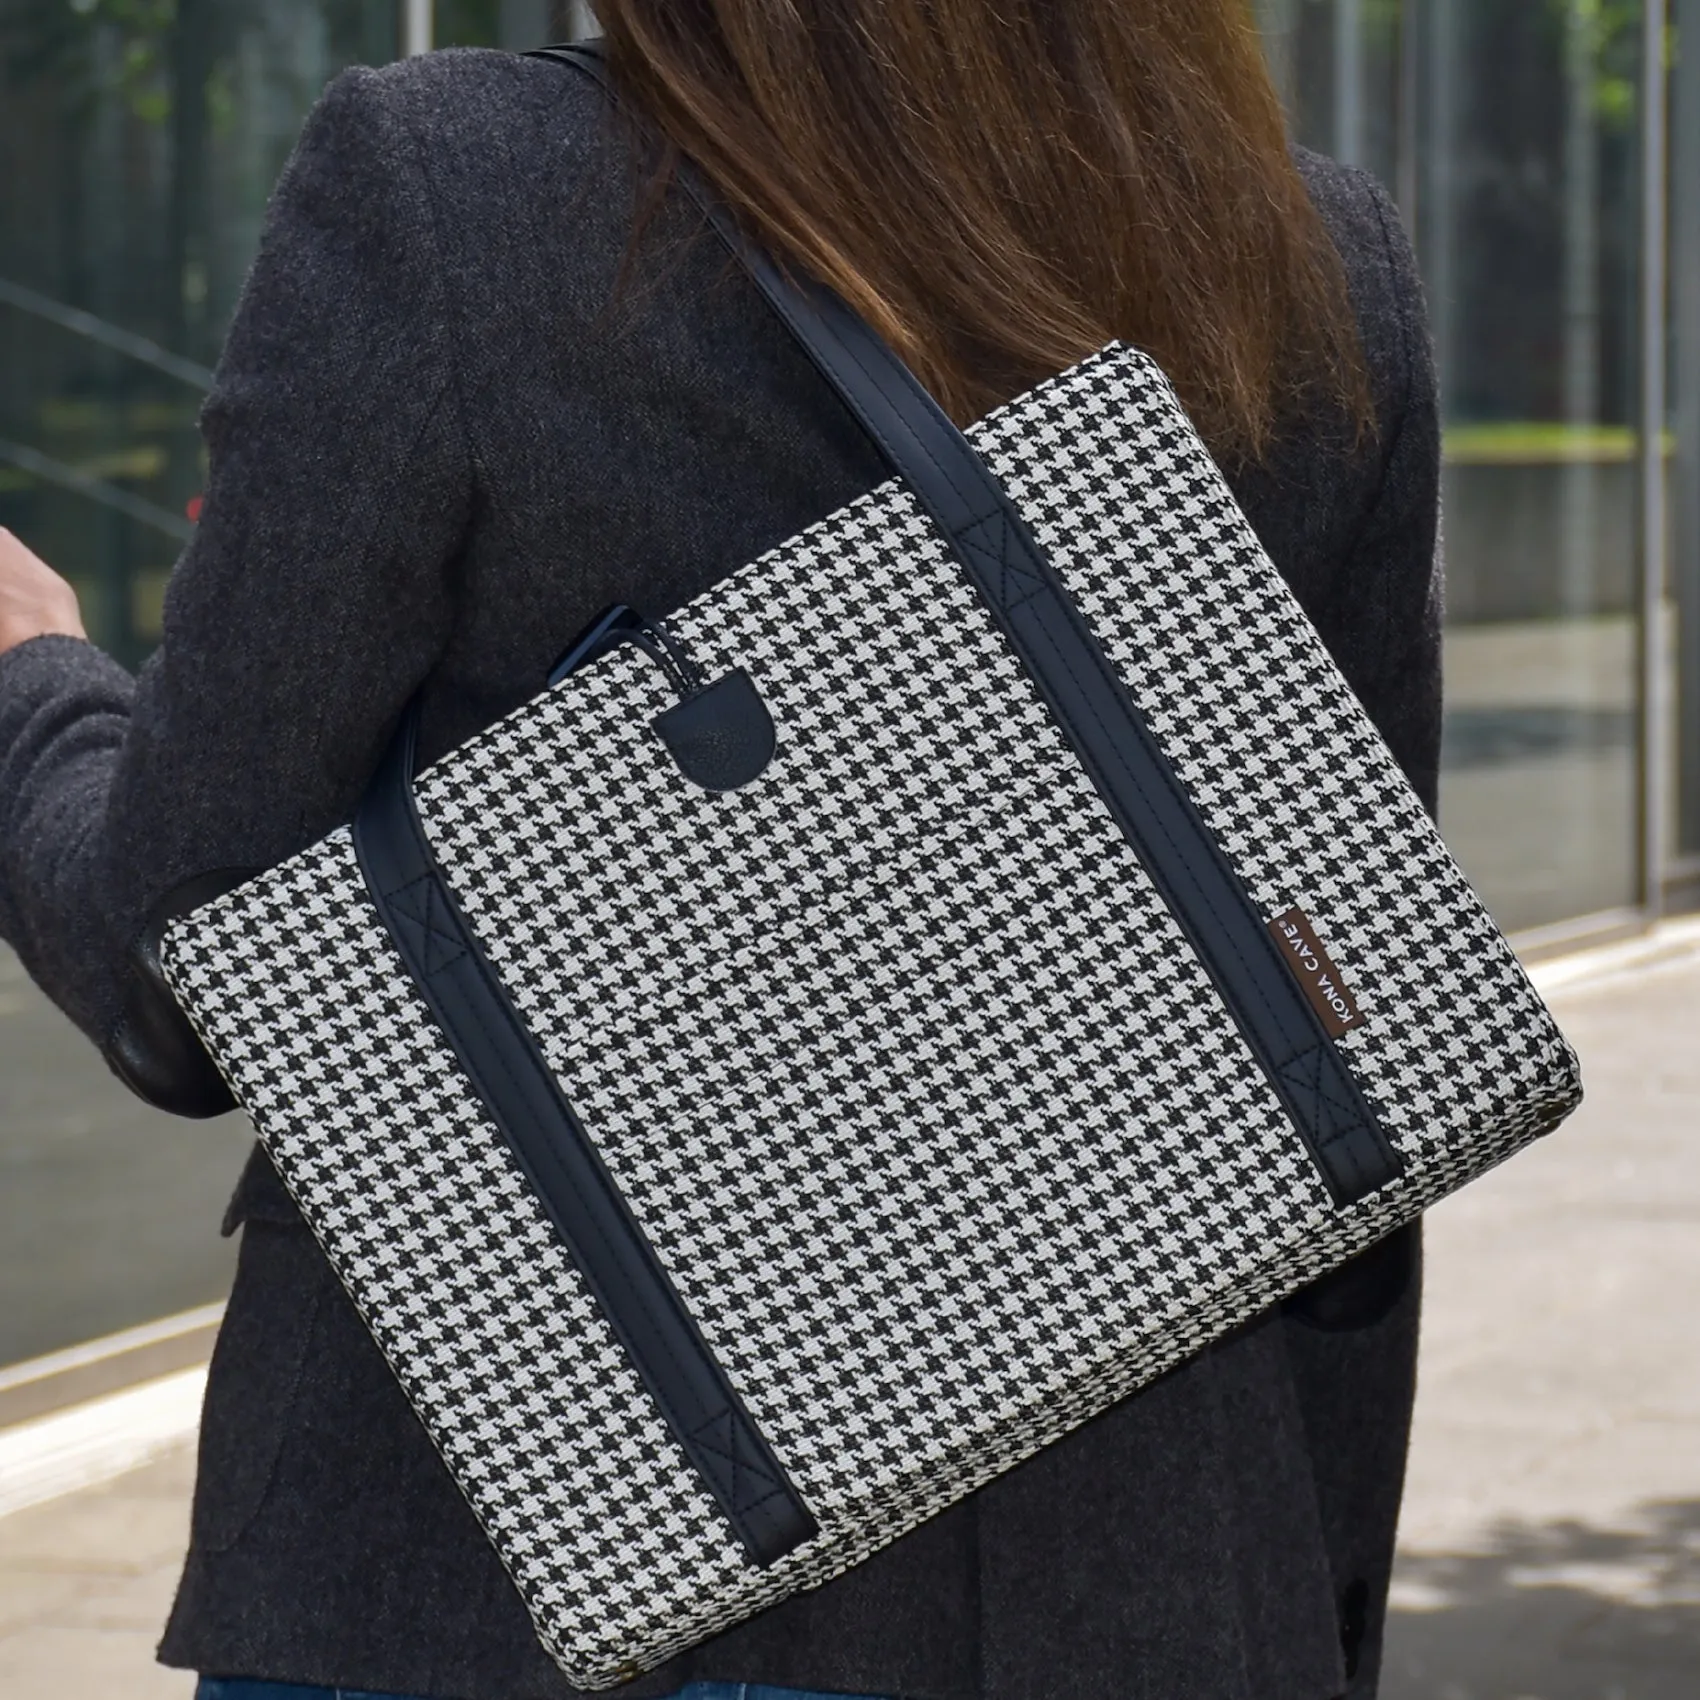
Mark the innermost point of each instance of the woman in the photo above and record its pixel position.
(486, 379)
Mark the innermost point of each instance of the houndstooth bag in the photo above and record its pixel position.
(813, 1056)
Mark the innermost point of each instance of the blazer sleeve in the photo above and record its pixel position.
(316, 596)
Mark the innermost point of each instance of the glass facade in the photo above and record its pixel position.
(1527, 204)
(1684, 690)
(153, 134)
(1511, 133)
(142, 136)
(516, 24)
(141, 139)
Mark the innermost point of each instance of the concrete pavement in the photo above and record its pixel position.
(1551, 1538)
(85, 1583)
(1551, 1546)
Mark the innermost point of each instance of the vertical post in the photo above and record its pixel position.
(1578, 591)
(1349, 78)
(581, 21)
(1655, 653)
(1685, 317)
(1407, 141)
(416, 26)
(1445, 66)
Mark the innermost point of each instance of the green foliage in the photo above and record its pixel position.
(1611, 32)
(56, 40)
(90, 50)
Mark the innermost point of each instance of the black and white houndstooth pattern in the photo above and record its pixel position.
(902, 1064)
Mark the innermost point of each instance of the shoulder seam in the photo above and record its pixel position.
(1380, 203)
(418, 164)
(1366, 185)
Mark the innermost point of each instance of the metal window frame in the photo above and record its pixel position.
(1656, 685)
(1668, 568)
(1683, 877)
(418, 27)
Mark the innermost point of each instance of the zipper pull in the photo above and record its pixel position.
(719, 732)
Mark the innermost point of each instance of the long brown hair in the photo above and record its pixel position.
(1003, 186)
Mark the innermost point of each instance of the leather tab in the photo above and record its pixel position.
(723, 736)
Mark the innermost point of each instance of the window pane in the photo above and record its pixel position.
(1336, 64)
(1530, 232)
(1509, 130)
(152, 137)
(513, 24)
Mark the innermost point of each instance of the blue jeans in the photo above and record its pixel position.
(217, 1688)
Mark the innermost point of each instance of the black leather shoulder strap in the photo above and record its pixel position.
(506, 1069)
(1067, 665)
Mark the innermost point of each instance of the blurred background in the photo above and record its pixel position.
(1544, 154)
(1540, 152)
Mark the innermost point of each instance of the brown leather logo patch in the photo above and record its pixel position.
(1315, 972)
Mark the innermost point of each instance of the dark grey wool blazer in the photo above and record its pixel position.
(439, 445)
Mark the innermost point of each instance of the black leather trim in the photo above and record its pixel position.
(506, 1069)
(1072, 673)
(609, 627)
(155, 1049)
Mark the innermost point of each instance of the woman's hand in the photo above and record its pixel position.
(34, 599)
